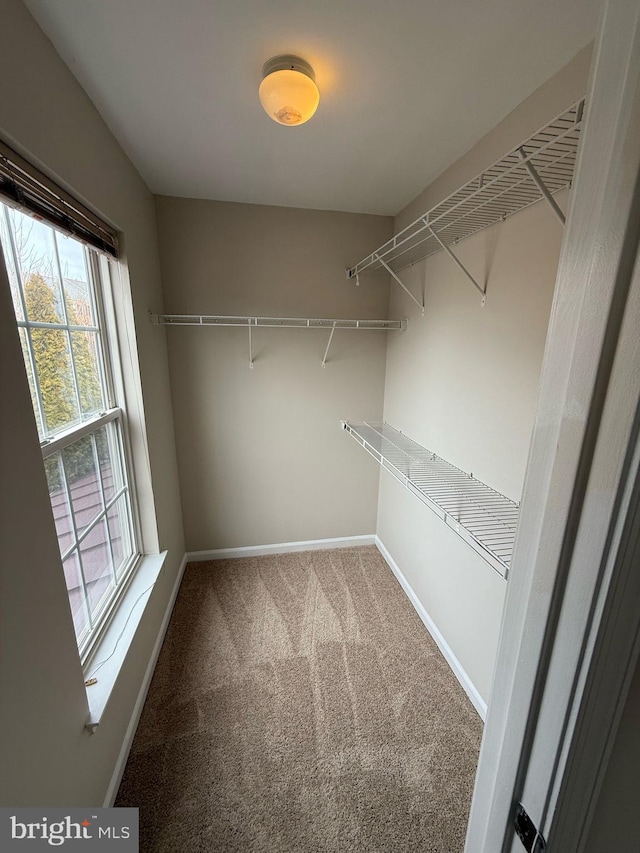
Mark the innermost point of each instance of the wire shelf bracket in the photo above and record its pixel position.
(459, 263)
(401, 283)
(252, 323)
(535, 177)
(534, 170)
(326, 352)
(485, 519)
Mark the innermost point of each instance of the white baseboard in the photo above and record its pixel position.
(468, 686)
(142, 693)
(281, 548)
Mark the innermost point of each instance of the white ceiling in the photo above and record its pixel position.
(406, 87)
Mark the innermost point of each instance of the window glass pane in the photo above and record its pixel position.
(37, 260)
(119, 531)
(52, 357)
(7, 251)
(85, 357)
(77, 599)
(84, 485)
(59, 502)
(97, 566)
(40, 299)
(75, 281)
(109, 455)
(32, 385)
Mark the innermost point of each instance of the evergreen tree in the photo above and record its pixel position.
(55, 377)
(51, 355)
(86, 362)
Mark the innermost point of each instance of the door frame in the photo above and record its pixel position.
(569, 640)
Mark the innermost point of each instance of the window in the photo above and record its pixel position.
(60, 300)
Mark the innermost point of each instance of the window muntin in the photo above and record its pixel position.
(55, 304)
(57, 301)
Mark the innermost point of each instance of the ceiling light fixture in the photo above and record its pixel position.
(288, 91)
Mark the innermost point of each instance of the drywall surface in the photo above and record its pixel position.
(460, 592)
(463, 380)
(48, 758)
(261, 455)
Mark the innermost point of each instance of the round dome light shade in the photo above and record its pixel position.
(289, 96)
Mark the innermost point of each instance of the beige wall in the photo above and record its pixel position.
(463, 380)
(261, 455)
(48, 757)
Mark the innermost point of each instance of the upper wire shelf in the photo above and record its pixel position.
(509, 185)
(484, 518)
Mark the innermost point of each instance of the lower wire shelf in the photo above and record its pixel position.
(484, 518)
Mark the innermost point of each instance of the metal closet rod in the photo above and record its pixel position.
(274, 322)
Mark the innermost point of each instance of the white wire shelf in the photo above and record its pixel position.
(274, 322)
(537, 168)
(252, 323)
(484, 518)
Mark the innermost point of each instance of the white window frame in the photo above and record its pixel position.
(110, 370)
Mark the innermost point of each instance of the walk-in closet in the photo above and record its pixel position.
(422, 339)
(276, 366)
(318, 337)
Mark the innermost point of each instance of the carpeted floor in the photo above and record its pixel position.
(299, 704)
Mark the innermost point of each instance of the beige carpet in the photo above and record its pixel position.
(299, 704)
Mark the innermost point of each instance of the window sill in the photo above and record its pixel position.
(116, 642)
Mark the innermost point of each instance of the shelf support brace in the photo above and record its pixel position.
(459, 263)
(402, 285)
(535, 177)
(326, 352)
(250, 347)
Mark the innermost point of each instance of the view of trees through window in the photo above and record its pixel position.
(57, 390)
(59, 323)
